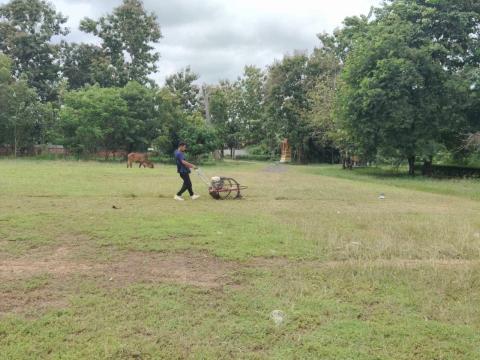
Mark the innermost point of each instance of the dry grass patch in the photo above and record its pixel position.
(45, 279)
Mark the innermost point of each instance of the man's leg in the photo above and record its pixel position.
(185, 184)
(188, 183)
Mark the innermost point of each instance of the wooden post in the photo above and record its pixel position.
(286, 156)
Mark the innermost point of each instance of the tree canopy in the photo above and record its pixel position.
(127, 35)
(400, 84)
(26, 31)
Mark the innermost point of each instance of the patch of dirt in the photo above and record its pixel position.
(63, 265)
(276, 168)
(183, 268)
(35, 301)
(285, 198)
(186, 268)
(57, 263)
(57, 196)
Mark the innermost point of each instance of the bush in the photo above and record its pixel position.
(254, 157)
(260, 149)
(450, 171)
(201, 138)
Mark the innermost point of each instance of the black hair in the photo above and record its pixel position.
(181, 143)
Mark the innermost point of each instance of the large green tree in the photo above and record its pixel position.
(182, 85)
(26, 31)
(323, 71)
(128, 37)
(401, 78)
(251, 87)
(24, 121)
(144, 115)
(200, 137)
(85, 64)
(94, 118)
(287, 103)
(224, 105)
(178, 125)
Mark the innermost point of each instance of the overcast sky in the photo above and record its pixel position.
(217, 38)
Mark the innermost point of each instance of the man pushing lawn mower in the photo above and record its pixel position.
(220, 188)
(183, 168)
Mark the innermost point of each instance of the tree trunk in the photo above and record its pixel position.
(15, 139)
(427, 166)
(411, 165)
(300, 154)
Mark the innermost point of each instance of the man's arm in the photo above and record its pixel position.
(188, 165)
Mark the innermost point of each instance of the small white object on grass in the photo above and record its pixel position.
(382, 196)
(278, 317)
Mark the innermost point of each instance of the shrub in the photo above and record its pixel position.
(254, 157)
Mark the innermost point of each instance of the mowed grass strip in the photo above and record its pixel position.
(357, 277)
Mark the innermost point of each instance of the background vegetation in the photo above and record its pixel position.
(400, 84)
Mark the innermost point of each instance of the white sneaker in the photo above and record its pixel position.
(178, 198)
(195, 197)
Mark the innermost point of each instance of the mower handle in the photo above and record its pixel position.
(202, 176)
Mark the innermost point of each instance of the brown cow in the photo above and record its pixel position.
(139, 158)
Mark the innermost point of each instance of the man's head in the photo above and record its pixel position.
(182, 146)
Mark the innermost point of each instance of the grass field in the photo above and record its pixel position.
(356, 277)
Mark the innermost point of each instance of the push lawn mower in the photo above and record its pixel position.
(222, 188)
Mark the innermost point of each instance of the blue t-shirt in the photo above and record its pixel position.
(182, 169)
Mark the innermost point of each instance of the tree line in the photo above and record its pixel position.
(399, 84)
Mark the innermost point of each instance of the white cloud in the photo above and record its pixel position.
(217, 38)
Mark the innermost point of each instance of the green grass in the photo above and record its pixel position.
(357, 277)
(400, 178)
